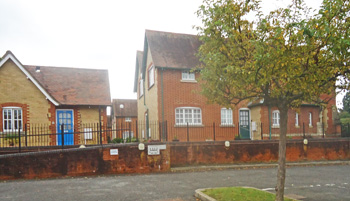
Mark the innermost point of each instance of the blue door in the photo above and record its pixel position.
(65, 117)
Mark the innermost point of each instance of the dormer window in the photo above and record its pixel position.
(188, 75)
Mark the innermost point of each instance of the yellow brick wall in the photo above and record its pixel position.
(151, 96)
(256, 117)
(89, 114)
(15, 87)
(149, 101)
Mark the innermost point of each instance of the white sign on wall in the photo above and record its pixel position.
(113, 152)
(155, 149)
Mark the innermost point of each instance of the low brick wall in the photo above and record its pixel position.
(98, 160)
(84, 161)
(211, 153)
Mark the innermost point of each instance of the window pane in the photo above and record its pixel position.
(187, 115)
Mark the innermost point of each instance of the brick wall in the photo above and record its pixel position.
(79, 162)
(179, 93)
(196, 153)
(98, 160)
(121, 126)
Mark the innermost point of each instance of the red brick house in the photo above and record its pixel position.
(51, 96)
(124, 117)
(169, 91)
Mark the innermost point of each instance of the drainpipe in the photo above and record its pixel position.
(144, 103)
(162, 97)
(269, 111)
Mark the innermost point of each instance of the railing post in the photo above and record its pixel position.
(166, 130)
(100, 134)
(130, 131)
(62, 134)
(19, 139)
(137, 131)
(303, 130)
(25, 134)
(159, 131)
(323, 129)
(214, 131)
(188, 136)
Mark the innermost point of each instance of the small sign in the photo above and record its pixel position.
(113, 152)
(141, 146)
(153, 150)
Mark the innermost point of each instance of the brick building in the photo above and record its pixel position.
(47, 97)
(124, 117)
(169, 91)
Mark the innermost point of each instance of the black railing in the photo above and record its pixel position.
(123, 132)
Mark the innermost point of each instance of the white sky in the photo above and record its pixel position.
(102, 34)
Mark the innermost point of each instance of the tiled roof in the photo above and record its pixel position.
(129, 108)
(173, 50)
(74, 86)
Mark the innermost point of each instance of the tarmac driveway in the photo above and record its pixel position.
(312, 183)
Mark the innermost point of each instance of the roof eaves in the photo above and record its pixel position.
(10, 55)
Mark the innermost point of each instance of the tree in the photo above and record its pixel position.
(287, 57)
(346, 102)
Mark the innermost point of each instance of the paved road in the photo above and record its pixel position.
(313, 183)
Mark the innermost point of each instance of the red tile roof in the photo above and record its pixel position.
(129, 108)
(173, 50)
(74, 86)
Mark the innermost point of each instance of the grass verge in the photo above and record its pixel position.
(240, 194)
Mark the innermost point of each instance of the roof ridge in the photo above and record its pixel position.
(44, 66)
(168, 32)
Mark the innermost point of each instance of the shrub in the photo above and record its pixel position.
(117, 140)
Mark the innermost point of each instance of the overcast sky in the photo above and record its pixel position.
(102, 34)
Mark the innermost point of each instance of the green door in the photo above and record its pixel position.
(244, 125)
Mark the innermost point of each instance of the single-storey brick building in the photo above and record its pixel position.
(38, 96)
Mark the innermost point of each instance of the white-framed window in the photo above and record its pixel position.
(190, 115)
(88, 133)
(296, 119)
(127, 119)
(188, 75)
(126, 134)
(275, 118)
(310, 119)
(226, 116)
(151, 76)
(12, 118)
(141, 87)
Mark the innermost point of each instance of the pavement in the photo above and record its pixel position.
(327, 180)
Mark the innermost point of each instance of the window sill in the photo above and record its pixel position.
(275, 126)
(189, 81)
(11, 132)
(189, 125)
(150, 87)
(227, 125)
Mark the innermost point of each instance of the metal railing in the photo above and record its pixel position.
(123, 132)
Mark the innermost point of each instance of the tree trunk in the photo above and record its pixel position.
(281, 174)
